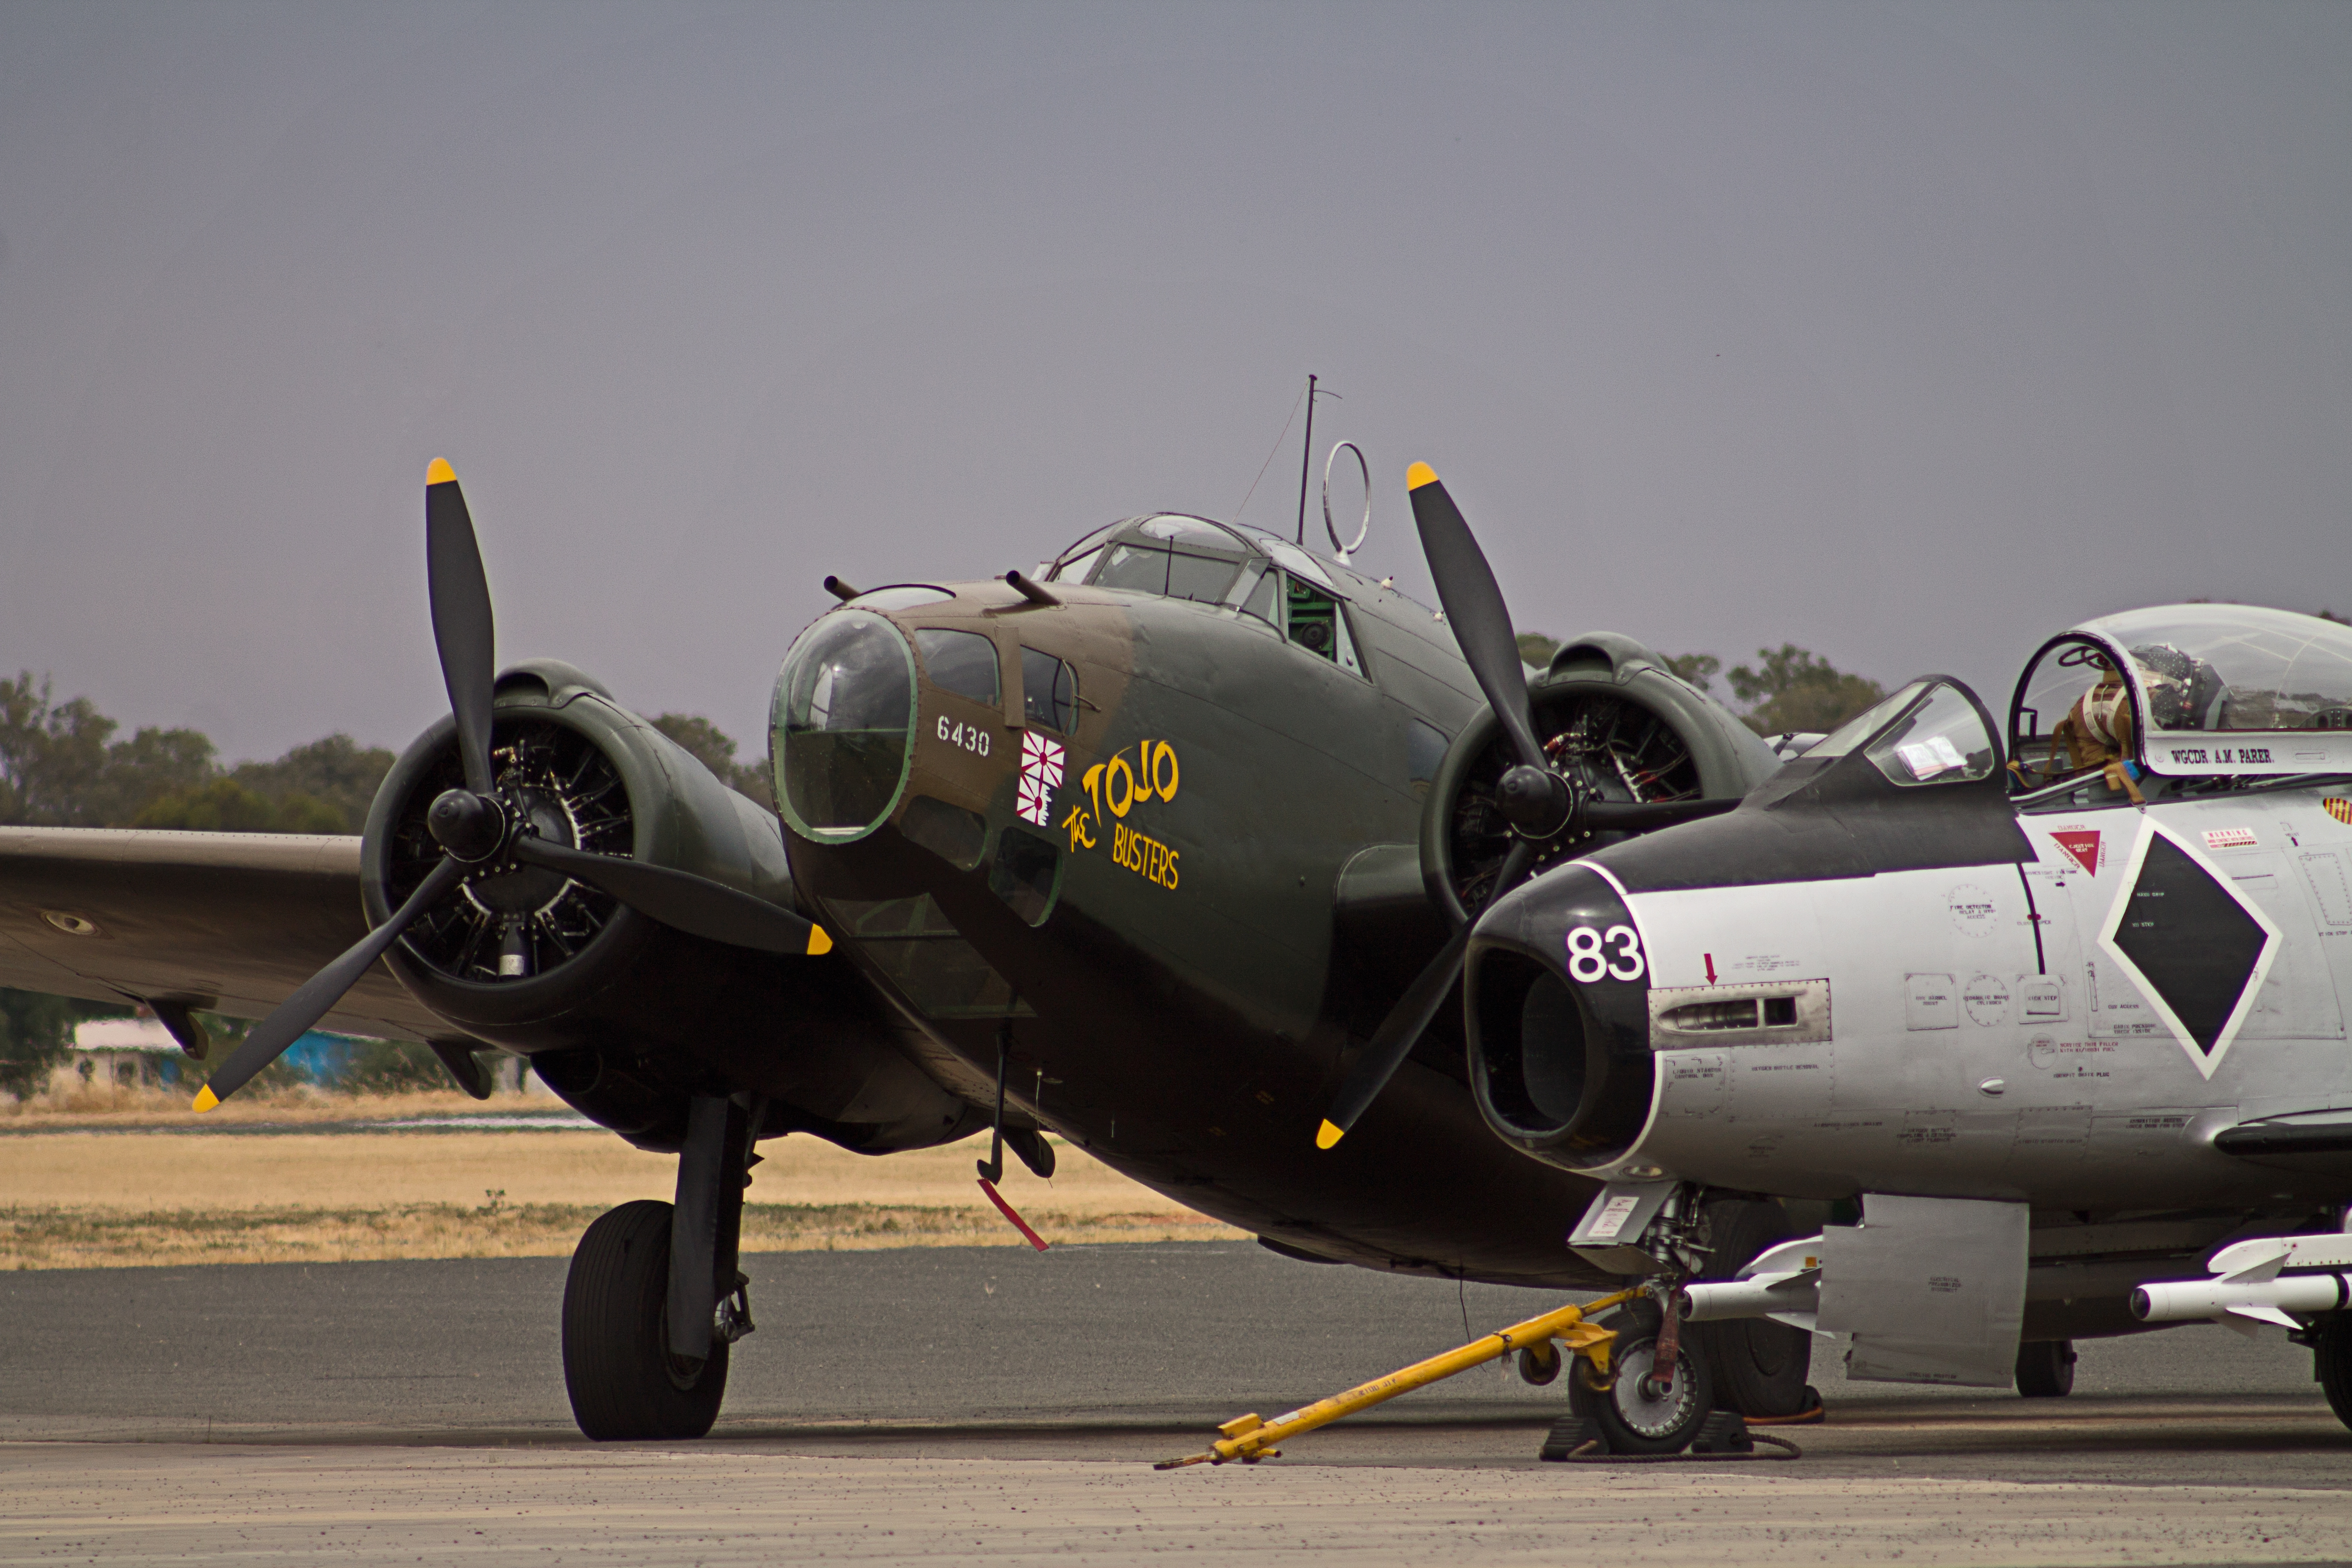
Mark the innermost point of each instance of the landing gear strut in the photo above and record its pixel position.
(654, 1298)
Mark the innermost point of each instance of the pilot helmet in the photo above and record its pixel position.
(2178, 685)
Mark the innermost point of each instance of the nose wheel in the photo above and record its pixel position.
(1639, 1411)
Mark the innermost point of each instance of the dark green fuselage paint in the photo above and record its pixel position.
(1168, 946)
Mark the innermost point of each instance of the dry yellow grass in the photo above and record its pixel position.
(78, 1197)
(121, 1105)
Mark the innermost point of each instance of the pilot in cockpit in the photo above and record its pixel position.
(2096, 732)
(2179, 690)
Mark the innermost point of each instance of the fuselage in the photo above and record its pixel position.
(1883, 974)
(1985, 1033)
(1134, 887)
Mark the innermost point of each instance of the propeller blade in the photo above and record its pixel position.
(295, 1015)
(696, 905)
(464, 630)
(1393, 1040)
(1474, 607)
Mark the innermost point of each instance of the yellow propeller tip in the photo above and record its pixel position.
(818, 941)
(1418, 475)
(206, 1099)
(1329, 1134)
(439, 472)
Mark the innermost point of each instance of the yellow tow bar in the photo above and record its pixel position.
(1250, 1439)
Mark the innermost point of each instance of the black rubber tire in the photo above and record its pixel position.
(2045, 1369)
(2332, 1361)
(1758, 1366)
(624, 1385)
(1632, 1423)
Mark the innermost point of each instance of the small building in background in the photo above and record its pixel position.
(135, 1051)
(141, 1050)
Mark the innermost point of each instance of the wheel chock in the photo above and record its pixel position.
(1722, 1438)
(1723, 1432)
(1568, 1435)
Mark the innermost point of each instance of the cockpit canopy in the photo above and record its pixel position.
(2189, 689)
(1173, 556)
(1932, 731)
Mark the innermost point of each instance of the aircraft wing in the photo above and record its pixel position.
(231, 922)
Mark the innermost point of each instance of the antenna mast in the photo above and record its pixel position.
(1306, 460)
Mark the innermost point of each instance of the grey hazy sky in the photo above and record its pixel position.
(1910, 333)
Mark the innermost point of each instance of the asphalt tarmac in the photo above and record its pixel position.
(919, 1405)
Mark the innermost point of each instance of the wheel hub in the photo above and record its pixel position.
(1644, 1409)
(526, 890)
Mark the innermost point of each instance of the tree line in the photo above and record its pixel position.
(62, 765)
(1787, 689)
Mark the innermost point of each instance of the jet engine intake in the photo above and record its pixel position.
(1559, 1020)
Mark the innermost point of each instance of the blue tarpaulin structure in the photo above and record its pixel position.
(320, 1058)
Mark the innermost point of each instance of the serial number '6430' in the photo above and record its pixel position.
(973, 737)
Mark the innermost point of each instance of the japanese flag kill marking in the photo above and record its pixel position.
(1041, 775)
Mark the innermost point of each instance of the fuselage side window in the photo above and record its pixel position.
(1316, 622)
(961, 662)
(1049, 690)
(1262, 602)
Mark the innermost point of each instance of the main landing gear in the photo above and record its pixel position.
(2331, 1351)
(654, 1298)
(2045, 1369)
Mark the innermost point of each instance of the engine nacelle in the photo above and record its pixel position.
(624, 1016)
(1563, 1072)
(1612, 715)
(512, 957)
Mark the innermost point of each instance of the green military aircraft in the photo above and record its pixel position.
(1171, 848)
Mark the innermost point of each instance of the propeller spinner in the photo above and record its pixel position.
(479, 831)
